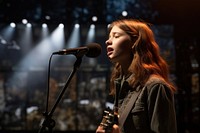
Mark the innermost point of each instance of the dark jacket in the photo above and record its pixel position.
(153, 111)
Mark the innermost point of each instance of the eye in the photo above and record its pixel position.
(116, 36)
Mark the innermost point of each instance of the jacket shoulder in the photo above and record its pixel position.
(155, 80)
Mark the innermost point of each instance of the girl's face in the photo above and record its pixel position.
(119, 46)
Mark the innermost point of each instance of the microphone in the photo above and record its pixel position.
(91, 50)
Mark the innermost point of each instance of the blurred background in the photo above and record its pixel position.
(31, 30)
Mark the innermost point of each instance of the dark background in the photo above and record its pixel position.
(176, 26)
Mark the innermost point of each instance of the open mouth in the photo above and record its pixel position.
(109, 51)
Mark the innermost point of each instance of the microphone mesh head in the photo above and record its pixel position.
(94, 50)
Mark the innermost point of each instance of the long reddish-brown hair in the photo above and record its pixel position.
(146, 60)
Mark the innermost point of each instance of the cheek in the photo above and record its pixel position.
(123, 51)
(125, 46)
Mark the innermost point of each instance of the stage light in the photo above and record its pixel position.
(91, 34)
(94, 18)
(13, 25)
(24, 21)
(57, 37)
(7, 33)
(61, 25)
(124, 13)
(44, 25)
(29, 25)
(92, 26)
(47, 17)
(74, 39)
(77, 26)
(3, 41)
(45, 30)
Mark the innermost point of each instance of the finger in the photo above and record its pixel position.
(115, 129)
(100, 130)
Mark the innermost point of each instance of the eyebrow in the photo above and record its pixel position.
(116, 33)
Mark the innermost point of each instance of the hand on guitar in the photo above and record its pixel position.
(115, 129)
(109, 123)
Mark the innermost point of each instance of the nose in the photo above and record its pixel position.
(108, 42)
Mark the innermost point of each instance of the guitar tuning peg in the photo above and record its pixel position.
(104, 124)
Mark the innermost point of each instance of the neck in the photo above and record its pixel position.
(125, 68)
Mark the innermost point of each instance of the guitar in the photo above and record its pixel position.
(110, 118)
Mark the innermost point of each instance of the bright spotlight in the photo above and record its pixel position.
(76, 25)
(74, 39)
(124, 13)
(61, 25)
(44, 25)
(91, 34)
(92, 26)
(24, 21)
(94, 18)
(28, 25)
(13, 25)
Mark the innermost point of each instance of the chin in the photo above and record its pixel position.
(112, 60)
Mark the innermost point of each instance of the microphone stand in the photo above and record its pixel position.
(47, 122)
